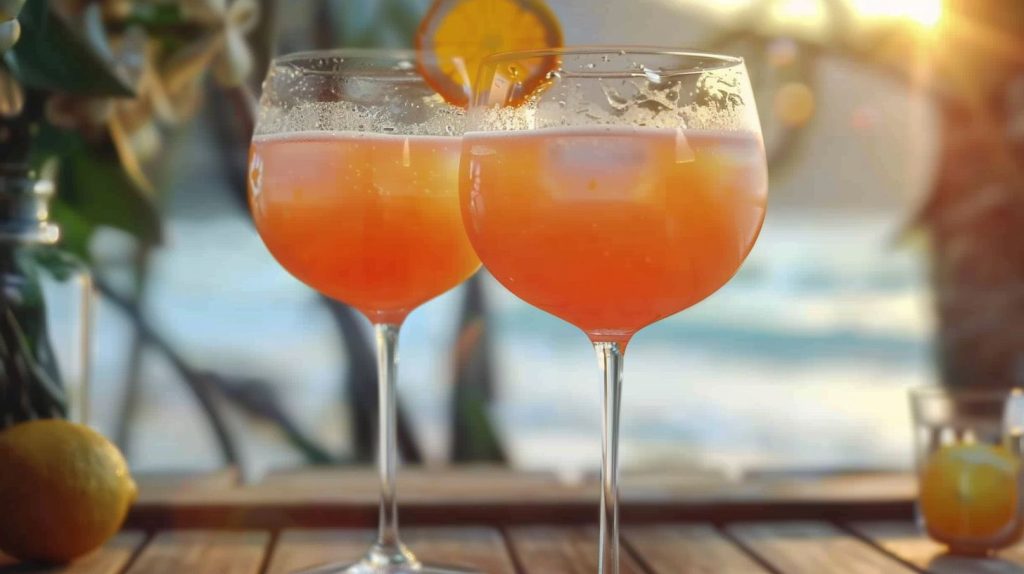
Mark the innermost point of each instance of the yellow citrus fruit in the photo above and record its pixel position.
(456, 35)
(64, 490)
(970, 492)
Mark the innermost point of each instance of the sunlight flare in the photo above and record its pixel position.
(926, 13)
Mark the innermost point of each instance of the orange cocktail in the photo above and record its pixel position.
(612, 229)
(371, 220)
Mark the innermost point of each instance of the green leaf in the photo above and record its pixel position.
(49, 142)
(93, 191)
(96, 187)
(53, 55)
(154, 15)
(75, 230)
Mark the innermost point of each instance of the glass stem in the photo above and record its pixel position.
(387, 371)
(610, 356)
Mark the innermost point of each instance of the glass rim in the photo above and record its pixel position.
(962, 394)
(724, 61)
(395, 54)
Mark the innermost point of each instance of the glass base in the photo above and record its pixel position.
(385, 560)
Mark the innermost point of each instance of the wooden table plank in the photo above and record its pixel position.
(566, 550)
(110, 559)
(690, 548)
(303, 548)
(348, 498)
(473, 548)
(813, 548)
(905, 540)
(203, 552)
(172, 485)
(476, 484)
(481, 548)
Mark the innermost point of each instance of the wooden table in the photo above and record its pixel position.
(513, 523)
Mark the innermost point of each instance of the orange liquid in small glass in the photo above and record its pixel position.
(612, 229)
(370, 220)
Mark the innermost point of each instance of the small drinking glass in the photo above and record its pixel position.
(969, 472)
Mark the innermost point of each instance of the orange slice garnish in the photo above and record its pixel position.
(456, 35)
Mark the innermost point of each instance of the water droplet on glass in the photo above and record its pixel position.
(652, 75)
(615, 99)
(606, 58)
(622, 52)
(590, 66)
(256, 176)
(684, 153)
(388, 128)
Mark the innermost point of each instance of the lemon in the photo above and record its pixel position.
(970, 492)
(64, 490)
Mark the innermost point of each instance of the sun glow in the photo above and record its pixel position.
(927, 13)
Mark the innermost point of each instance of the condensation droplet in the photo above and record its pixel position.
(256, 175)
(684, 153)
(615, 99)
(652, 75)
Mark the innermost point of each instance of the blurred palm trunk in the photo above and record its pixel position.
(474, 437)
(975, 216)
(976, 223)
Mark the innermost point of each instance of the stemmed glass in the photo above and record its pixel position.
(631, 185)
(353, 187)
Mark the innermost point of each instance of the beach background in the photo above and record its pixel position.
(801, 363)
